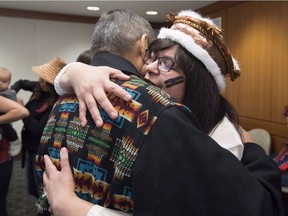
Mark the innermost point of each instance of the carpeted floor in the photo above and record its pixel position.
(19, 202)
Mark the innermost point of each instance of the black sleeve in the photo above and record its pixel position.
(26, 85)
(265, 170)
(36, 125)
(182, 171)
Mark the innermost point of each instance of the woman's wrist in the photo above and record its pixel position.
(64, 89)
(102, 211)
(72, 206)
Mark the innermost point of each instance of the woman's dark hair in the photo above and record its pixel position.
(201, 92)
(84, 57)
(51, 96)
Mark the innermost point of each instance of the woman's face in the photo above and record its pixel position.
(155, 72)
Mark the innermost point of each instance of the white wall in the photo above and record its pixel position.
(28, 42)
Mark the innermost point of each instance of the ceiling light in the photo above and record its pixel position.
(153, 13)
(93, 8)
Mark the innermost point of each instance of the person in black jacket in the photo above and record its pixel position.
(7, 129)
(10, 112)
(39, 105)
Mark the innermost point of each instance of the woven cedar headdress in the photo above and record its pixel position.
(49, 71)
(203, 39)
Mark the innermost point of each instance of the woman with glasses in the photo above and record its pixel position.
(183, 76)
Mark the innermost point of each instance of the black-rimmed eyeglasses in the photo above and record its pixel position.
(164, 64)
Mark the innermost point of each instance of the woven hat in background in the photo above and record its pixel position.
(49, 71)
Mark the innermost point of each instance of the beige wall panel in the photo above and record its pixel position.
(277, 131)
(256, 33)
(279, 144)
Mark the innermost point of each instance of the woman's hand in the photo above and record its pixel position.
(59, 188)
(90, 84)
(246, 136)
(58, 185)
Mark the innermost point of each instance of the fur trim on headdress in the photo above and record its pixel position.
(200, 37)
(195, 14)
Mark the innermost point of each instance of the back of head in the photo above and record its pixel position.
(117, 32)
(84, 57)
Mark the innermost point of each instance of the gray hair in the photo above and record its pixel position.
(118, 30)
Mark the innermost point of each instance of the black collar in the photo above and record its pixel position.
(114, 61)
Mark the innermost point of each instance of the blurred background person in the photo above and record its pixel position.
(39, 105)
(9, 132)
(11, 111)
(84, 57)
